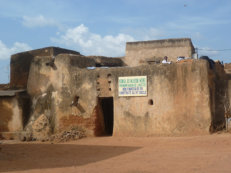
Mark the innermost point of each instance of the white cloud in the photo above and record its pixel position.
(88, 43)
(143, 34)
(6, 52)
(38, 21)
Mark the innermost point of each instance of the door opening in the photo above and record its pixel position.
(108, 114)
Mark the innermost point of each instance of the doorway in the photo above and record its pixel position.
(108, 114)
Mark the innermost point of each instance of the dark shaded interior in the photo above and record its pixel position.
(108, 114)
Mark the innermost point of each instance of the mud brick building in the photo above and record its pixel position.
(126, 96)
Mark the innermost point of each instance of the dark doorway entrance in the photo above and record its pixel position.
(108, 114)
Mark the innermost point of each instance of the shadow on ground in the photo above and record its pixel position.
(16, 157)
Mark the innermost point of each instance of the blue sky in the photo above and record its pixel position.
(102, 27)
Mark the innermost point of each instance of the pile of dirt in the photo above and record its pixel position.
(74, 133)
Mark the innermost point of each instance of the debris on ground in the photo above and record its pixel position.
(74, 133)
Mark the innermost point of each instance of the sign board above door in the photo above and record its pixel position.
(132, 86)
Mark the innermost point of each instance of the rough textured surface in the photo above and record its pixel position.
(228, 77)
(10, 115)
(55, 90)
(73, 133)
(14, 114)
(102, 61)
(41, 128)
(20, 64)
(138, 53)
(187, 97)
(180, 95)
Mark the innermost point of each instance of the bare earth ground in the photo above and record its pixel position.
(211, 153)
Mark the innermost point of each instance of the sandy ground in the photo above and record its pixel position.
(210, 153)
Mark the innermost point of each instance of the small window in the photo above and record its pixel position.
(150, 102)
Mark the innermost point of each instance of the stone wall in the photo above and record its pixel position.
(138, 53)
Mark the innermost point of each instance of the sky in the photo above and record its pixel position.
(102, 27)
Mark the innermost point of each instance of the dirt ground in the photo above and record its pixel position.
(211, 153)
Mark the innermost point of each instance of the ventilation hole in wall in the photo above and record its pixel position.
(98, 76)
(97, 83)
(98, 89)
(109, 89)
(109, 81)
(150, 102)
(109, 75)
(75, 101)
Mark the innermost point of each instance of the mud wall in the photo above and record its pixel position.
(138, 53)
(228, 77)
(20, 64)
(63, 95)
(11, 116)
(67, 94)
(219, 96)
(180, 96)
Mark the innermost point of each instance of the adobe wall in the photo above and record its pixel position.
(68, 94)
(14, 113)
(228, 75)
(180, 95)
(138, 53)
(53, 90)
(11, 118)
(20, 64)
(186, 99)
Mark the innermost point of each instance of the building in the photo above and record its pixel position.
(111, 96)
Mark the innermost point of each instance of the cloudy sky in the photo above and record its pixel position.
(102, 27)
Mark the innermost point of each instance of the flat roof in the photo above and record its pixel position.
(10, 92)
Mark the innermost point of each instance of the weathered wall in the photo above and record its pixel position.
(102, 61)
(138, 53)
(228, 77)
(180, 92)
(20, 64)
(11, 119)
(219, 96)
(65, 93)
(181, 101)
(54, 90)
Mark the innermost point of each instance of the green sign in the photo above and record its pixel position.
(133, 86)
